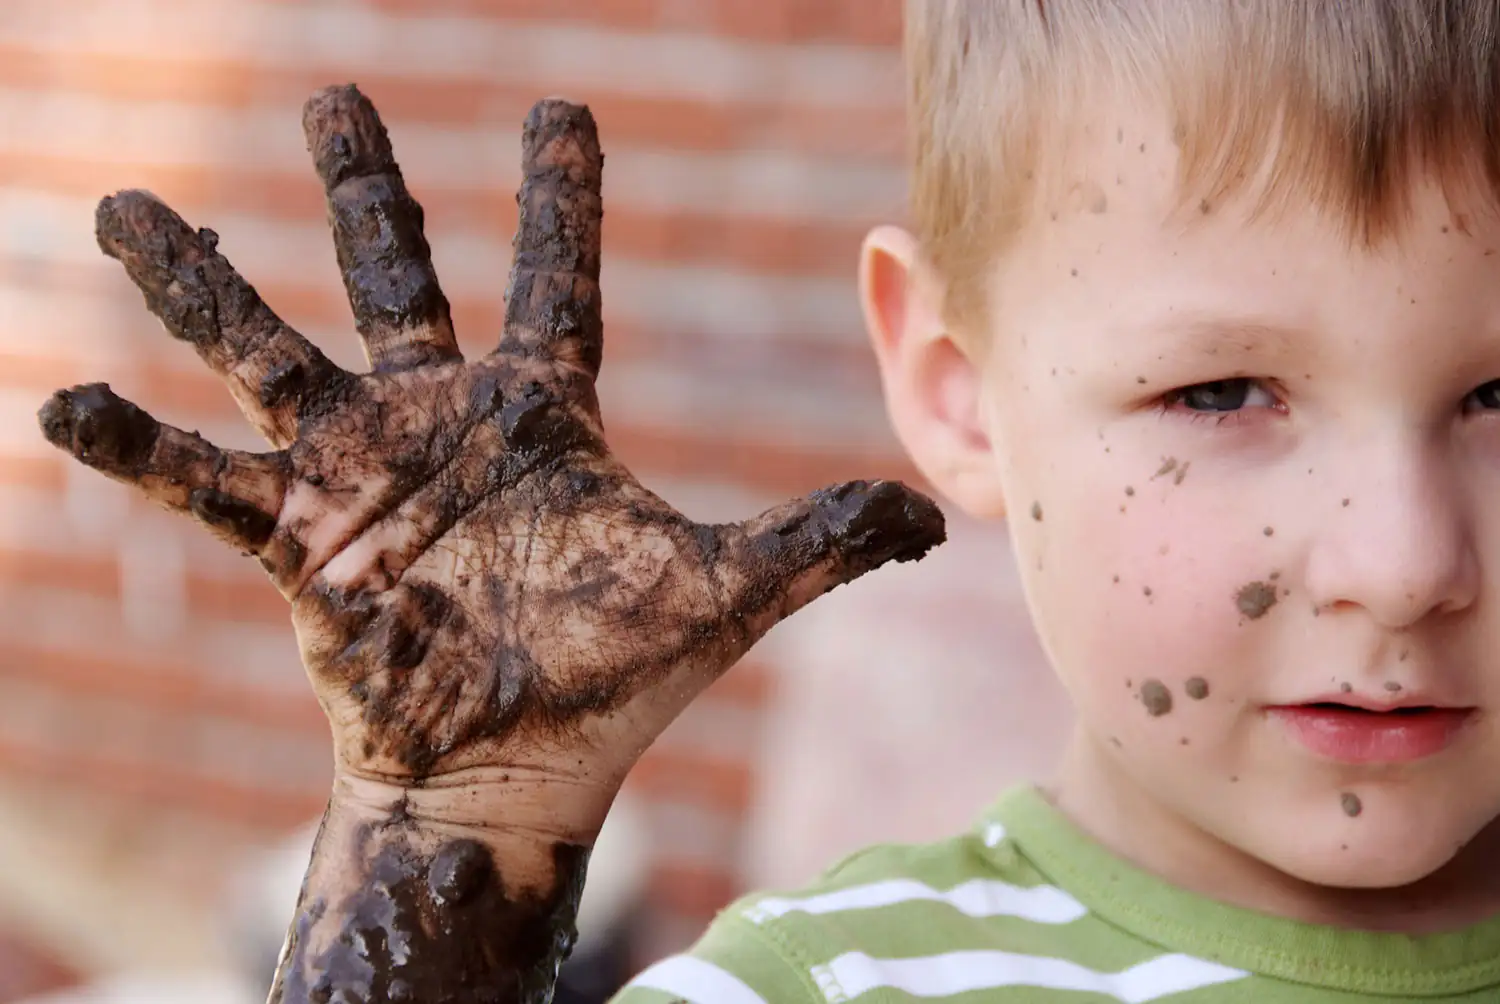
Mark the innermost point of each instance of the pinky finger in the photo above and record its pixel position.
(235, 494)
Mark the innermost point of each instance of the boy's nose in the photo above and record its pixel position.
(1402, 545)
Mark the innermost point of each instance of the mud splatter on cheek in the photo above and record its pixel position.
(1156, 698)
(1255, 599)
(1196, 688)
(1351, 804)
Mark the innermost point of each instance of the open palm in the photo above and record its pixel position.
(475, 581)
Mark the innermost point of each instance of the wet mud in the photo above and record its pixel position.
(1255, 599)
(1156, 698)
(502, 579)
(433, 928)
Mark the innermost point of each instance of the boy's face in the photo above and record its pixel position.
(1252, 472)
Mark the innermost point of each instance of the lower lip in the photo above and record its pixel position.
(1373, 737)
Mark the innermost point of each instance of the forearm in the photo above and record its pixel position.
(400, 904)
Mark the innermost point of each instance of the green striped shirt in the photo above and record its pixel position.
(1026, 908)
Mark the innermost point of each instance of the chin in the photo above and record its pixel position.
(1366, 854)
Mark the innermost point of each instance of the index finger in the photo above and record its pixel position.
(552, 302)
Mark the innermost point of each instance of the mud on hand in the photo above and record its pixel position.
(475, 582)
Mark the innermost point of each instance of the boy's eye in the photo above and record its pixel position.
(1225, 396)
(1484, 396)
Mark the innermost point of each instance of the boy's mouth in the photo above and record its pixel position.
(1350, 729)
(1416, 709)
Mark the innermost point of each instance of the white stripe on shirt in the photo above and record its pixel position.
(1043, 904)
(697, 982)
(850, 975)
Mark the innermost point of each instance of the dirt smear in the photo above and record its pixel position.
(1255, 599)
(436, 928)
(1156, 698)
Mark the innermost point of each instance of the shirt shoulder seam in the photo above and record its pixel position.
(783, 948)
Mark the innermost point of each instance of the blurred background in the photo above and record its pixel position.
(161, 756)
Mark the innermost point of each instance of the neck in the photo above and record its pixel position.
(1100, 798)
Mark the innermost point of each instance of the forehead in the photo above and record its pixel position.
(1122, 164)
(1117, 232)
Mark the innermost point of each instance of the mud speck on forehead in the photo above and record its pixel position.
(1351, 804)
(1036, 511)
(1156, 698)
(1196, 688)
(1168, 465)
(1255, 598)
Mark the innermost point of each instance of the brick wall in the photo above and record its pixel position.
(749, 145)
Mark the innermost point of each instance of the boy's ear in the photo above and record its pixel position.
(933, 391)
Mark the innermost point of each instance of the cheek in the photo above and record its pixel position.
(1159, 618)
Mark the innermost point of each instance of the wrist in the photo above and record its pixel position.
(521, 811)
(405, 905)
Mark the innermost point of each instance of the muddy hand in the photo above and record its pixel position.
(475, 581)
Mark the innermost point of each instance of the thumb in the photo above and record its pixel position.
(775, 564)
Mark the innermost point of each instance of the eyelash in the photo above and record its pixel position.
(1491, 386)
(1169, 403)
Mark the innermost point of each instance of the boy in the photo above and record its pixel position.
(1202, 296)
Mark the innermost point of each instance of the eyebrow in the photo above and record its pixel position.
(1226, 337)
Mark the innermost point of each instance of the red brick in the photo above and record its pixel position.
(248, 599)
(862, 22)
(723, 786)
(270, 812)
(748, 243)
(42, 371)
(252, 598)
(624, 120)
(782, 469)
(180, 690)
(749, 684)
(691, 891)
(35, 472)
(91, 574)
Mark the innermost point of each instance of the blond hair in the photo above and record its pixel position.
(1340, 103)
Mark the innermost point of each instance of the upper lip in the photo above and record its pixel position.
(1387, 701)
